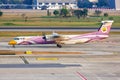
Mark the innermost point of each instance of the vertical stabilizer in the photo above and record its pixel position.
(105, 27)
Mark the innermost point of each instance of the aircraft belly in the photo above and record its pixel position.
(82, 40)
(78, 41)
(67, 42)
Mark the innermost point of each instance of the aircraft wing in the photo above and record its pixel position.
(65, 40)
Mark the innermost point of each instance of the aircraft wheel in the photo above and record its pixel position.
(13, 46)
(59, 46)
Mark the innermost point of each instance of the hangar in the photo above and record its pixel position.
(55, 4)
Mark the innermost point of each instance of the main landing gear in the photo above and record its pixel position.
(58, 45)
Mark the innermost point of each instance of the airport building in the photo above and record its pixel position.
(114, 4)
(55, 4)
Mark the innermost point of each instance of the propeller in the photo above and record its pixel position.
(55, 35)
(44, 36)
(59, 39)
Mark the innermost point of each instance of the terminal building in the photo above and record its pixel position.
(114, 4)
(54, 4)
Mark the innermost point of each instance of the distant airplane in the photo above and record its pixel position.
(59, 40)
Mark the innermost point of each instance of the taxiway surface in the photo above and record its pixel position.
(65, 67)
(108, 46)
(101, 61)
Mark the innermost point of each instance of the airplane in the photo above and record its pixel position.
(60, 40)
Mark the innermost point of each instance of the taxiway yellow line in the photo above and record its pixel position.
(47, 59)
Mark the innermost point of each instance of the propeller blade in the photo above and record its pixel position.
(55, 35)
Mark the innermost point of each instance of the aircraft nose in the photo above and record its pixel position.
(12, 42)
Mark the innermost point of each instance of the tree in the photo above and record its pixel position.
(48, 13)
(64, 12)
(81, 13)
(24, 17)
(85, 13)
(78, 13)
(1, 13)
(98, 12)
(55, 12)
(106, 14)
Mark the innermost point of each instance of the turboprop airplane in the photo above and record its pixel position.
(59, 40)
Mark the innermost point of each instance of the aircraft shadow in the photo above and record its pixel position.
(44, 46)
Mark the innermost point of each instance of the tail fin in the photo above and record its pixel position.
(105, 27)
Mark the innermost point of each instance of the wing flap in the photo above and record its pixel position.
(73, 41)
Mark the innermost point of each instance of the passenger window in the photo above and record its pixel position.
(16, 38)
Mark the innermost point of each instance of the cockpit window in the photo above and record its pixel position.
(16, 38)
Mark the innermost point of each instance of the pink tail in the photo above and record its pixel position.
(105, 27)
